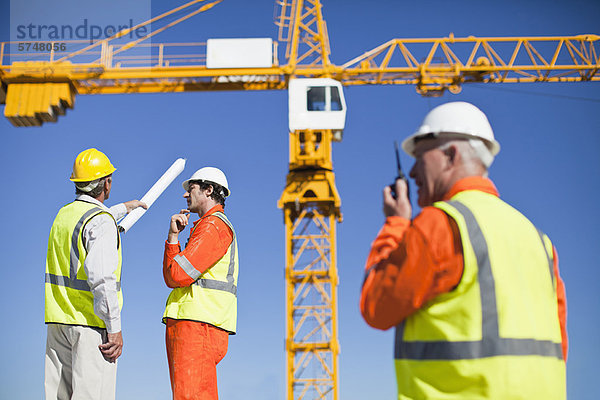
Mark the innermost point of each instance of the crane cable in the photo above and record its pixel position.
(561, 96)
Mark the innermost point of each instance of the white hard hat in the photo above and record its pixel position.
(456, 119)
(208, 174)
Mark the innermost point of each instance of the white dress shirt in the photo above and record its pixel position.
(100, 241)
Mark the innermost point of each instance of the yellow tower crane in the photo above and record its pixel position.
(36, 92)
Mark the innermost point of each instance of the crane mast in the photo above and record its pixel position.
(311, 207)
(36, 92)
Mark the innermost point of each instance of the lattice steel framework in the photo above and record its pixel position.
(311, 280)
(311, 207)
(435, 65)
(36, 92)
(302, 26)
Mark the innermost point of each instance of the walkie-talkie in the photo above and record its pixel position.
(400, 175)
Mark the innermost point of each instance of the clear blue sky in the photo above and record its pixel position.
(548, 167)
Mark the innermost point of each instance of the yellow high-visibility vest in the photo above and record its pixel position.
(68, 296)
(497, 334)
(212, 298)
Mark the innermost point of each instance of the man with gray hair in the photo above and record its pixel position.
(471, 285)
(83, 287)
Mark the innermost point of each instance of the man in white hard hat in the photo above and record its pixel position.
(83, 287)
(201, 310)
(471, 285)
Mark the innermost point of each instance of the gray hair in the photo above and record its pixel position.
(472, 150)
(91, 188)
(482, 152)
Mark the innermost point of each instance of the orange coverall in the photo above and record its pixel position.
(194, 348)
(419, 260)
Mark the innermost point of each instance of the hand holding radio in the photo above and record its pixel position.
(396, 197)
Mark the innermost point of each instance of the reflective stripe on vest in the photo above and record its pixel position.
(550, 262)
(228, 286)
(71, 281)
(491, 343)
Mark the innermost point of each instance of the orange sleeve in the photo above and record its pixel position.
(207, 245)
(410, 264)
(562, 305)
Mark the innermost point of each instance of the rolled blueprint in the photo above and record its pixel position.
(156, 190)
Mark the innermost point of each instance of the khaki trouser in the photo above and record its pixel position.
(75, 367)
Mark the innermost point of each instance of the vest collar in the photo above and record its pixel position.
(90, 199)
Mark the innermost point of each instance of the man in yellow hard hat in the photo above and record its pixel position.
(471, 286)
(83, 287)
(201, 310)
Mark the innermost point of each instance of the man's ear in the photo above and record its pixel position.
(107, 187)
(209, 190)
(451, 152)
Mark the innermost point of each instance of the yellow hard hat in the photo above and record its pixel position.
(91, 164)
